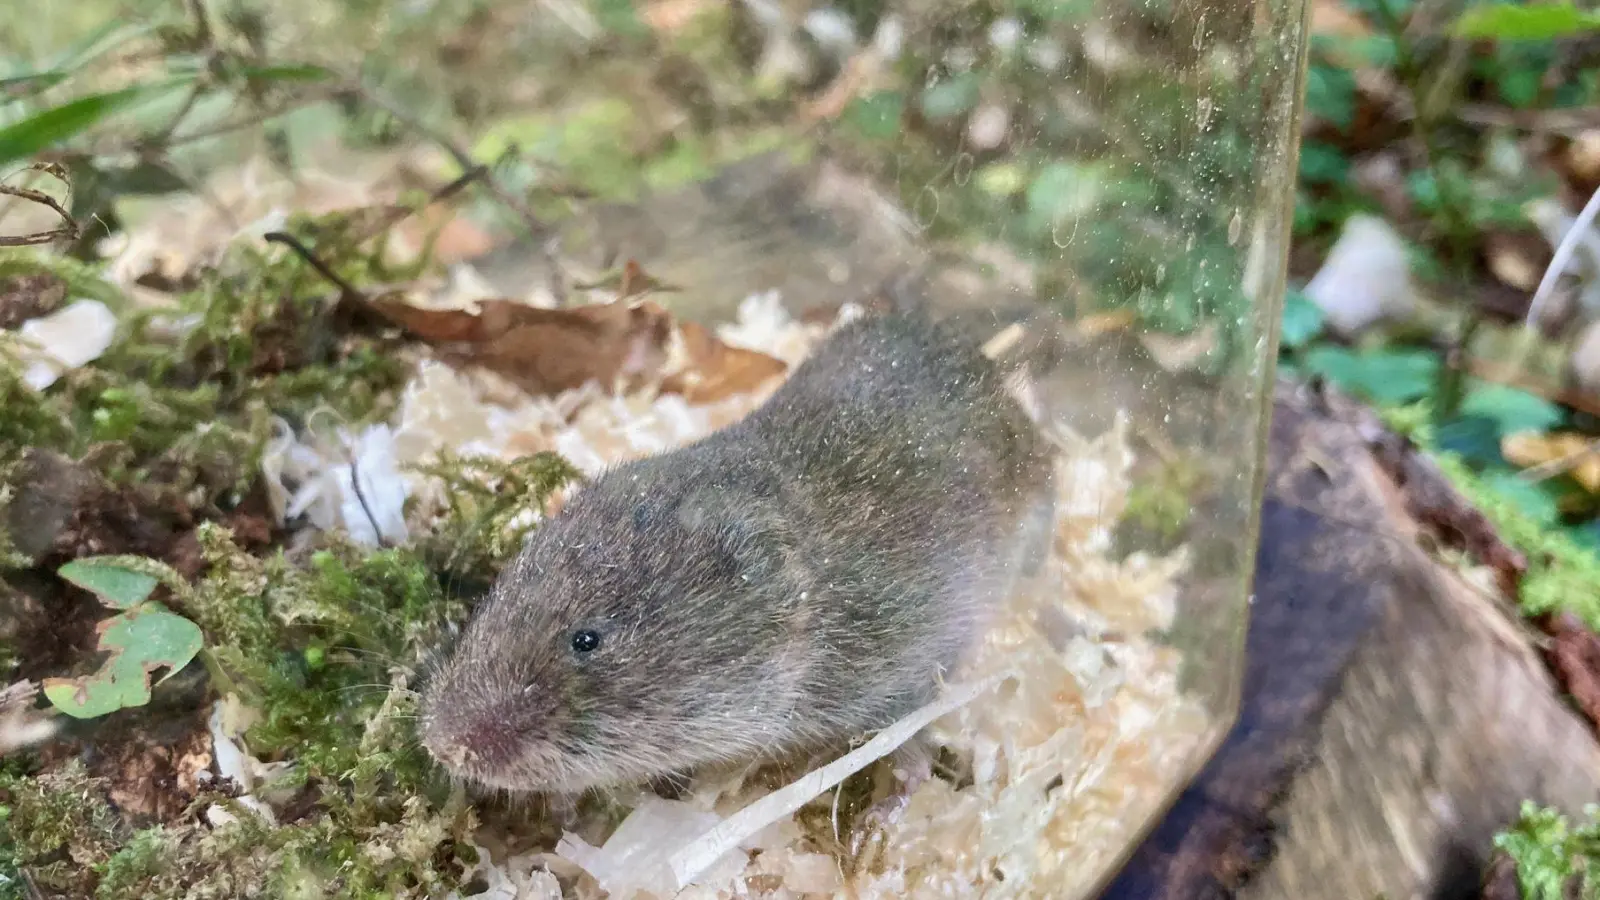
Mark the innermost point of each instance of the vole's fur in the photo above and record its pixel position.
(784, 585)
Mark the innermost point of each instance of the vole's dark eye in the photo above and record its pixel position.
(585, 641)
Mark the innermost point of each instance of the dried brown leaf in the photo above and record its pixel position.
(1570, 451)
(718, 371)
(545, 351)
(1574, 656)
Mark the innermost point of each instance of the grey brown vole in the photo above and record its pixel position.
(785, 585)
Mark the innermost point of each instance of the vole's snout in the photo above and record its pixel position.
(471, 741)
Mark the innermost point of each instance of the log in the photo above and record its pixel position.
(1393, 715)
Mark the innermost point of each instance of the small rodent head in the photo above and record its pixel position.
(627, 640)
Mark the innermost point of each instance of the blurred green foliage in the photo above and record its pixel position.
(1555, 858)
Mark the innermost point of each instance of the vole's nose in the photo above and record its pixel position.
(482, 742)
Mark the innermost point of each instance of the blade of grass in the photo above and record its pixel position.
(70, 61)
(43, 130)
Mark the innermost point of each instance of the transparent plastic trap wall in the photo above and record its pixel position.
(1101, 185)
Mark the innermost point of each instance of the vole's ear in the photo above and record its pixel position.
(750, 547)
(735, 527)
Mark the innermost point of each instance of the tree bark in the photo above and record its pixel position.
(1394, 715)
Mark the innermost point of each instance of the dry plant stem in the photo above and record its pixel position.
(361, 497)
(444, 193)
(68, 231)
(347, 291)
(1565, 122)
(456, 151)
(1563, 255)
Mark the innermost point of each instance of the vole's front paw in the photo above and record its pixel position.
(913, 765)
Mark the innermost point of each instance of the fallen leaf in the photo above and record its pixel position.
(456, 238)
(146, 776)
(117, 586)
(1582, 161)
(716, 370)
(616, 344)
(140, 641)
(1580, 453)
(1574, 655)
(546, 351)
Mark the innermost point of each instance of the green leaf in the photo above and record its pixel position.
(116, 585)
(1476, 439)
(1385, 376)
(21, 140)
(1511, 409)
(1302, 320)
(1331, 94)
(950, 97)
(140, 641)
(1520, 87)
(1526, 22)
(73, 59)
(1322, 163)
(287, 72)
(877, 116)
(1063, 191)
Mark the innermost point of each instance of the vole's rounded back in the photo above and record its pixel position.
(789, 582)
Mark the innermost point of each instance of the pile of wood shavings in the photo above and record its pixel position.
(1068, 759)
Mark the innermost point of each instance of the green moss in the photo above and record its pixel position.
(1562, 574)
(410, 854)
(317, 648)
(1551, 852)
(486, 520)
(189, 392)
(58, 826)
(84, 281)
(1164, 503)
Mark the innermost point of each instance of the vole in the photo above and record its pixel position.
(792, 582)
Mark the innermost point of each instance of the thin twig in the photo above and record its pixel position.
(68, 231)
(395, 217)
(226, 128)
(347, 290)
(456, 151)
(361, 497)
